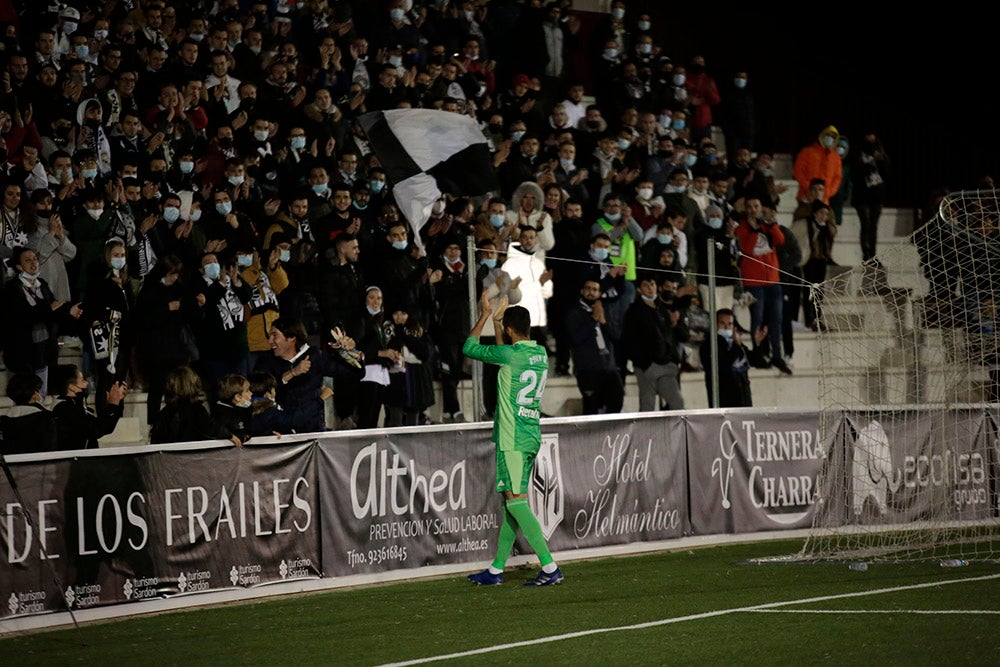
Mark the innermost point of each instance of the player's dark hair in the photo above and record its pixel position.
(518, 319)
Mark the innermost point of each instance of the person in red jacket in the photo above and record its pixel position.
(819, 160)
(759, 237)
(703, 94)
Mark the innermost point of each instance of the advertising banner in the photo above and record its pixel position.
(116, 526)
(404, 500)
(408, 499)
(612, 481)
(895, 467)
(133, 526)
(751, 472)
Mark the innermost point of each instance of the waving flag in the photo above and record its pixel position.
(426, 152)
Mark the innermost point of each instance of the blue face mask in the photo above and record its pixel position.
(376, 186)
(496, 220)
(244, 260)
(171, 214)
(601, 254)
(399, 245)
(648, 299)
(29, 276)
(285, 255)
(319, 188)
(373, 311)
(613, 217)
(679, 79)
(715, 223)
(690, 159)
(665, 239)
(117, 263)
(298, 143)
(679, 124)
(828, 141)
(212, 271)
(186, 167)
(611, 53)
(740, 83)
(623, 144)
(726, 333)
(88, 173)
(645, 49)
(489, 262)
(645, 26)
(516, 135)
(236, 180)
(224, 208)
(82, 50)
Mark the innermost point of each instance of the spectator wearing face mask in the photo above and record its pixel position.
(819, 160)
(494, 226)
(264, 272)
(232, 410)
(77, 426)
(219, 324)
(107, 315)
(734, 362)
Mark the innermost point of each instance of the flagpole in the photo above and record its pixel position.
(477, 366)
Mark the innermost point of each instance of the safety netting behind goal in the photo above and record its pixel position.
(908, 395)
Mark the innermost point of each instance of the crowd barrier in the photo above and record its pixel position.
(155, 523)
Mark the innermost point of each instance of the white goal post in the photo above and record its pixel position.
(909, 391)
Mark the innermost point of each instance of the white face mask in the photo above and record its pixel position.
(645, 193)
(95, 213)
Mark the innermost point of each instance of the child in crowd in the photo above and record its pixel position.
(266, 416)
(232, 409)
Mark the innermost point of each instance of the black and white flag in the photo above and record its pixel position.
(426, 152)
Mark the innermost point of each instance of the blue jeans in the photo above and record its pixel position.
(766, 311)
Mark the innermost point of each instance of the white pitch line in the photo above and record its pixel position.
(929, 612)
(679, 619)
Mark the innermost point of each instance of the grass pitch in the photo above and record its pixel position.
(699, 607)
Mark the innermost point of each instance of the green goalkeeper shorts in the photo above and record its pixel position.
(514, 471)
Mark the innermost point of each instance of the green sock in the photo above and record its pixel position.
(530, 527)
(508, 531)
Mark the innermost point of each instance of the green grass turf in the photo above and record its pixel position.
(410, 620)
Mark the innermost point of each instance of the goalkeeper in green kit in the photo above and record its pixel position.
(524, 365)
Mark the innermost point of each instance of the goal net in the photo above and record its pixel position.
(908, 393)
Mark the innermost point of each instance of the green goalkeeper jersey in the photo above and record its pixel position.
(524, 367)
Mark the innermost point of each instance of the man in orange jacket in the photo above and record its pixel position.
(819, 160)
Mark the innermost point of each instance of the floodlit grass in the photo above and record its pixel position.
(412, 620)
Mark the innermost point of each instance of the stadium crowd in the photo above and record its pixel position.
(189, 197)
